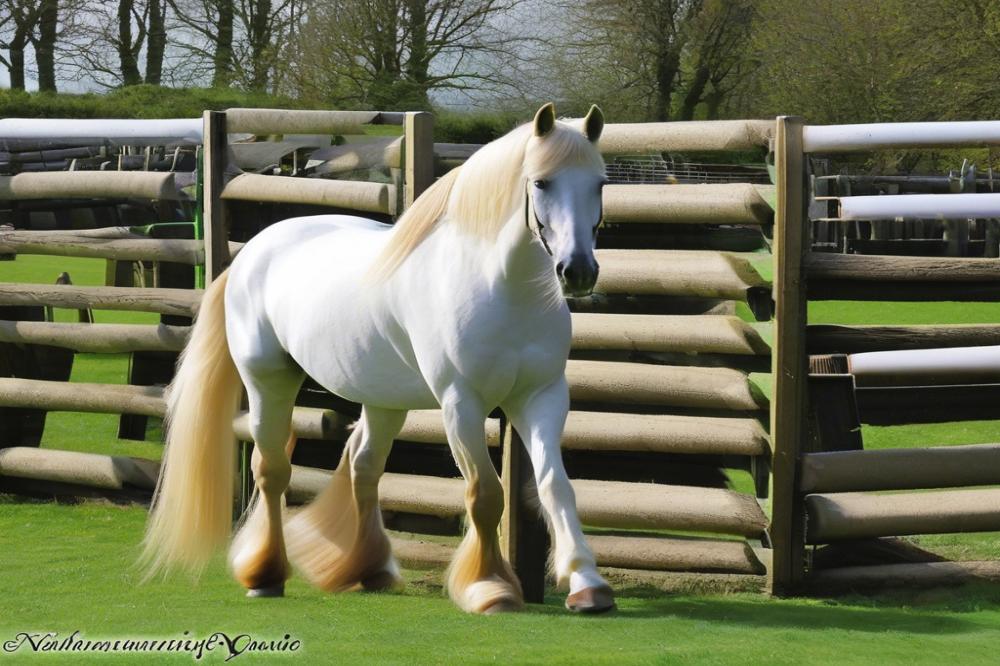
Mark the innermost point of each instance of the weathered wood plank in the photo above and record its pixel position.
(182, 302)
(723, 135)
(667, 333)
(901, 469)
(839, 516)
(836, 339)
(297, 121)
(418, 157)
(108, 243)
(789, 361)
(876, 268)
(727, 203)
(87, 185)
(95, 338)
(350, 194)
(677, 272)
(676, 386)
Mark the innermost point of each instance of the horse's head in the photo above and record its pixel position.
(564, 178)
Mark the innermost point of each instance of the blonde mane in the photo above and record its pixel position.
(482, 195)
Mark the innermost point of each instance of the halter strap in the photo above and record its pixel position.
(537, 230)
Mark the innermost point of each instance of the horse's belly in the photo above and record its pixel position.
(366, 369)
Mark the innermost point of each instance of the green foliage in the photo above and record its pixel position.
(141, 101)
(473, 127)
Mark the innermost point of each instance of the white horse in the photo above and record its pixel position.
(459, 306)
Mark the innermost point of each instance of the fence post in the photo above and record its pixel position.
(789, 359)
(418, 132)
(524, 537)
(215, 220)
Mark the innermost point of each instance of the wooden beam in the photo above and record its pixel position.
(349, 194)
(840, 516)
(700, 273)
(181, 302)
(665, 333)
(707, 135)
(677, 386)
(878, 268)
(215, 216)
(836, 339)
(87, 185)
(297, 121)
(901, 469)
(95, 338)
(419, 155)
(109, 243)
(789, 359)
(524, 537)
(726, 203)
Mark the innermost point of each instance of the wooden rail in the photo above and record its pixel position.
(728, 203)
(88, 185)
(182, 302)
(708, 135)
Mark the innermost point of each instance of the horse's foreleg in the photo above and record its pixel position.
(540, 421)
(479, 579)
(257, 556)
(338, 541)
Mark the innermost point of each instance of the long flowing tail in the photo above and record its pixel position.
(192, 516)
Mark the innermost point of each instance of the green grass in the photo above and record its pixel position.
(902, 313)
(71, 570)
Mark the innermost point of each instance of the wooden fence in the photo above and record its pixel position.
(672, 366)
(824, 510)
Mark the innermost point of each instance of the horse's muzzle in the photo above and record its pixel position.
(578, 276)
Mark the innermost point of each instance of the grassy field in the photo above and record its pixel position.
(69, 567)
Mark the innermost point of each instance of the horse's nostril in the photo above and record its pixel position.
(560, 267)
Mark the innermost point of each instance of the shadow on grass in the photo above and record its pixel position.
(864, 614)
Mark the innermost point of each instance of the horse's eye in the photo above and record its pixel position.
(541, 184)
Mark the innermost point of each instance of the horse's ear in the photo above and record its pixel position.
(593, 124)
(545, 119)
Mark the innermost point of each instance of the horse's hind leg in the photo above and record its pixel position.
(257, 556)
(338, 541)
(479, 579)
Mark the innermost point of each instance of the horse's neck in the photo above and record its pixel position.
(518, 261)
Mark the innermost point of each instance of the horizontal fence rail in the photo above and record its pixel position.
(920, 206)
(88, 184)
(878, 136)
(707, 135)
(182, 302)
(286, 121)
(119, 243)
(728, 203)
(355, 195)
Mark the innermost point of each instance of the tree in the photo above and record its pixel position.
(393, 53)
(717, 55)
(626, 54)
(107, 43)
(235, 41)
(19, 20)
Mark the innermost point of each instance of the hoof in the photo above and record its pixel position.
(503, 606)
(380, 582)
(272, 591)
(591, 600)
